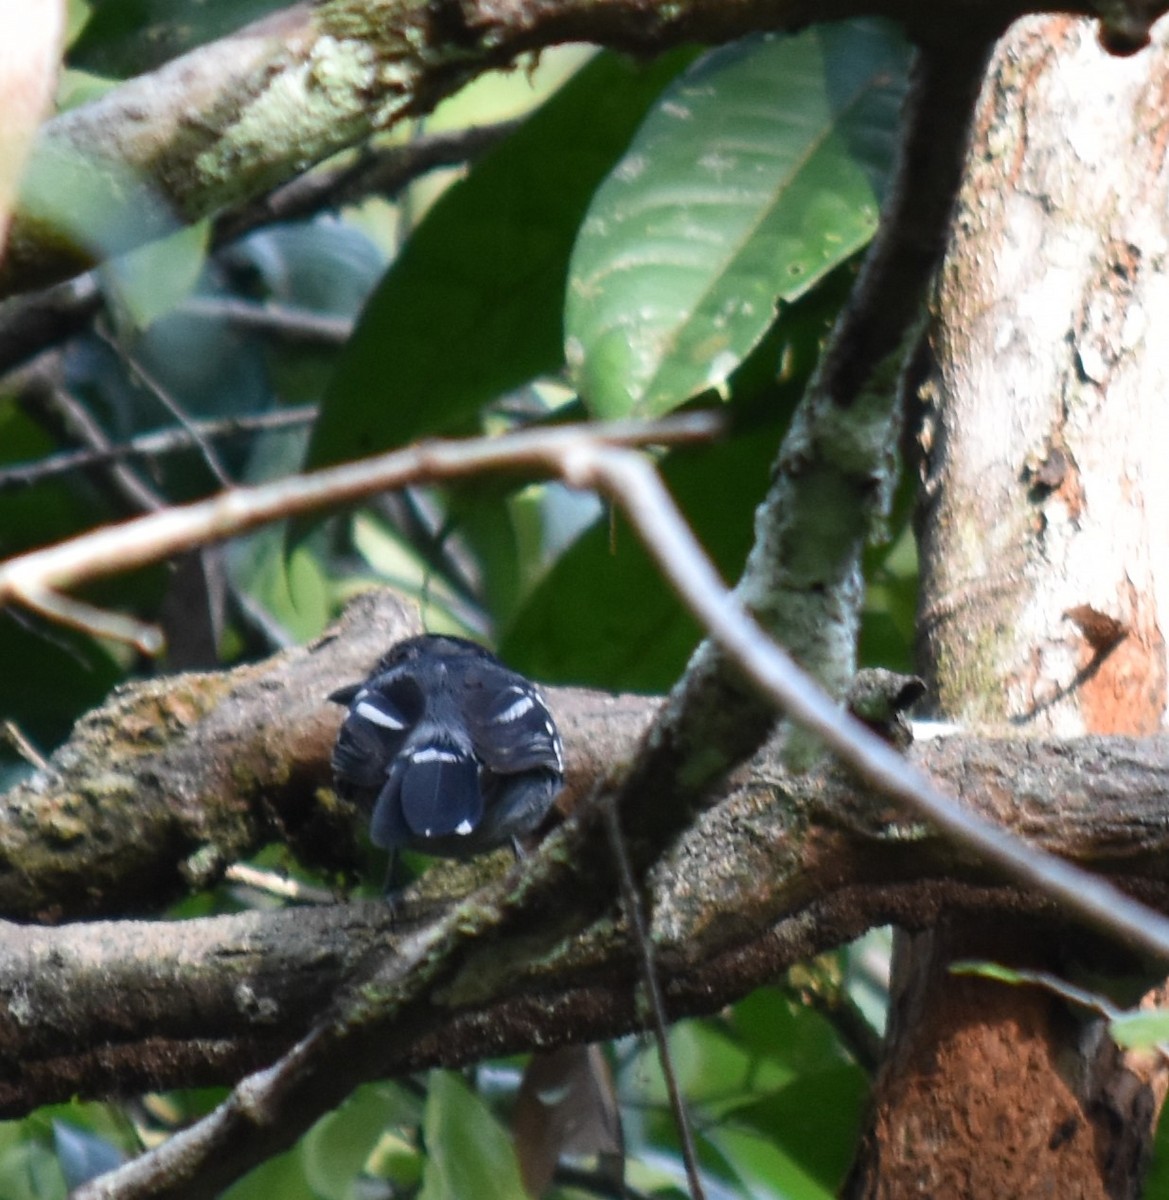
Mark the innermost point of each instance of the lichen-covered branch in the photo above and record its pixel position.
(785, 866)
(173, 779)
(834, 475)
(230, 120)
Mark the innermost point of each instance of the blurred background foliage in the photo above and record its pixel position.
(626, 239)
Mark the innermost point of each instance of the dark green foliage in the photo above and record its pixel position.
(471, 308)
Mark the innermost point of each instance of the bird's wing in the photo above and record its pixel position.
(509, 723)
(382, 712)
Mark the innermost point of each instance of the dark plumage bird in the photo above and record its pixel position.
(447, 750)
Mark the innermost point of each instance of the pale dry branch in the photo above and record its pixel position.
(587, 458)
(628, 479)
(284, 321)
(38, 579)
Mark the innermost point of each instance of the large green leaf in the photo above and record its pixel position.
(335, 1151)
(281, 1176)
(471, 308)
(813, 1121)
(469, 1153)
(603, 615)
(1140, 1030)
(758, 170)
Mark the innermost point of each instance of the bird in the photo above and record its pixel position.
(446, 750)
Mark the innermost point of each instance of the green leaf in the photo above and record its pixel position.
(469, 1153)
(149, 282)
(814, 1121)
(757, 171)
(765, 1171)
(338, 1146)
(292, 587)
(29, 1171)
(89, 203)
(281, 1176)
(772, 1026)
(471, 308)
(1140, 1030)
(714, 1071)
(603, 615)
(995, 971)
(130, 37)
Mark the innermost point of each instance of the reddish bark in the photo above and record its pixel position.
(1043, 585)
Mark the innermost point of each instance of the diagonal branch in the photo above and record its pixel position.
(150, 446)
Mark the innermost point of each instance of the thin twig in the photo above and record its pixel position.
(282, 320)
(43, 388)
(649, 977)
(20, 742)
(378, 170)
(153, 445)
(152, 384)
(280, 886)
(97, 622)
(31, 324)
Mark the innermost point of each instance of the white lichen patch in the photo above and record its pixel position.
(297, 117)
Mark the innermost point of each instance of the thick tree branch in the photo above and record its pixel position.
(457, 964)
(173, 779)
(230, 120)
(675, 764)
(785, 866)
(32, 322)
(483, 940)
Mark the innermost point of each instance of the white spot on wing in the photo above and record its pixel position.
(433, 754)
(377, 716)
(464, 827)
(514, 711)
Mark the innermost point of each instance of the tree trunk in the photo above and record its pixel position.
(1044, 544)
